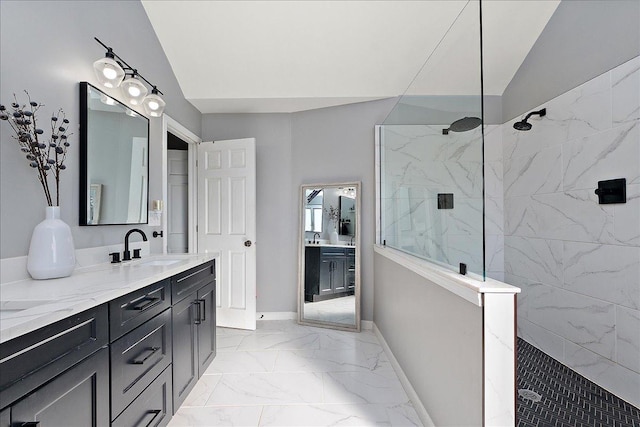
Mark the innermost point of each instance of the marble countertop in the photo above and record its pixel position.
(328, 245)
(27, 305)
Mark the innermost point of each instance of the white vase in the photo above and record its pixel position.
(333, 237)
(51, 252)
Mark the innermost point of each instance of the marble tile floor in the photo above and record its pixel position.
(284, 374)
(337, 310)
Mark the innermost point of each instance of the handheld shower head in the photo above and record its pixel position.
(524, 125)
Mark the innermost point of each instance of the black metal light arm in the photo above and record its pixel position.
(126, 67)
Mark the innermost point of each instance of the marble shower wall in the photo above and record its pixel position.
(418, 162)
(578, 262)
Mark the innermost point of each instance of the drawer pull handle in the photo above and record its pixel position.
(197, 320)
(145, 355)
(155, 414)
(203, 311)
(145, 303)
(30, 424)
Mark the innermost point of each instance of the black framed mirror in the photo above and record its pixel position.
(114, 161)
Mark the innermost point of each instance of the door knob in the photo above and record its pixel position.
(247, 243)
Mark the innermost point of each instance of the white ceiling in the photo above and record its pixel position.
(286, 56)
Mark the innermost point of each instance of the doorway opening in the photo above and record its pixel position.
(177, 195)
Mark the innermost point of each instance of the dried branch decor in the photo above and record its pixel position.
(47, 156)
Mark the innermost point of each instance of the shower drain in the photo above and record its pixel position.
(529, 395)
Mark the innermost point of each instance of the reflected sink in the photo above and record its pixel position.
(162, 262)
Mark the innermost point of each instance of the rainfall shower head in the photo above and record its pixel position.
(524, 125)
(463, 125)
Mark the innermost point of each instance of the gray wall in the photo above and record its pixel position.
(436, 337)
(329, 145)
(47, 47)
(336, 145)
(583, 39)
(276, 238)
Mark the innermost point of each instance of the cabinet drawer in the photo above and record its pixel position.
(332, 251)
(137, 358)
(132, 310)
(78, 397)
(152, 408)
(31, 360)
(191, 280)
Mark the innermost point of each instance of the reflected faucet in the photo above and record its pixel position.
(314, 237)
(126, 256)
(351, 241)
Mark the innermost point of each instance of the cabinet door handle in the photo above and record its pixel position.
(30, 424)
(145, 303)
(197, 319)
(144, 355)
(155, 413)
(203, 311)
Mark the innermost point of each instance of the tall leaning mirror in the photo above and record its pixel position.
(329, 256)
(114, 154)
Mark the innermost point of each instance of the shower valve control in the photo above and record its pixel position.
(612, 191)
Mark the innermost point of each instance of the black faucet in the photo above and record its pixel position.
(314, 237)
(126, 256)
(351, 241)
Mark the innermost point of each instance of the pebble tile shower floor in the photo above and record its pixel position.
(568, 398)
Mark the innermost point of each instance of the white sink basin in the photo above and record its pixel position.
(161, 262)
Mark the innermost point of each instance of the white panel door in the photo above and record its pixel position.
(227, 224)
(137, 210)
(177, 202)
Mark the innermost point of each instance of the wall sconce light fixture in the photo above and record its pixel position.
(155, 214)
(111, 72)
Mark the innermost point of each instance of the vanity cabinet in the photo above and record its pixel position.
(329, 272)
(194, 323)
(128, 362)
(59, 374)
(140, 350)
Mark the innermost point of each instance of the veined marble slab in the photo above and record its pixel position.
(27, 305)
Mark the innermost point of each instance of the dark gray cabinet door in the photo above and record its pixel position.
(326, 276)
(339, 275)
(78, 397)
(351, 272)
(185, 345)
(207, 326)
(5, 418)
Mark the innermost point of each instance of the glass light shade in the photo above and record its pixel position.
(154, 105)
(134, 90)
(108, 72)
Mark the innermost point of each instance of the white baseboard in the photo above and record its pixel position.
(415, 400)
(366, 325)
(277, 315)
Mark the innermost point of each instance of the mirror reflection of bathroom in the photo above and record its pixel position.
(329, 272)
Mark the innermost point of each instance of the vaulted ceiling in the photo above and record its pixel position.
(286, 56)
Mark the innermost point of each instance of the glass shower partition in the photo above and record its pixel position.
(431, 187)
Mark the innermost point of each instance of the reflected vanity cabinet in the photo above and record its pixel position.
(329, 272)
(115, 364)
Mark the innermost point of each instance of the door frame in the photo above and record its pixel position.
(171, 125)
